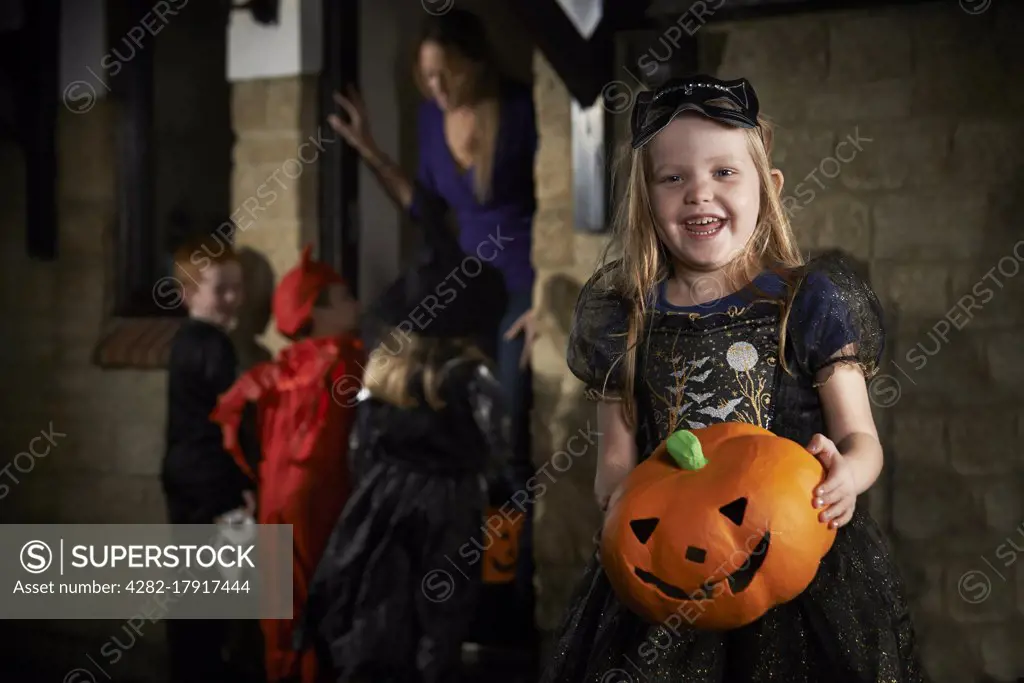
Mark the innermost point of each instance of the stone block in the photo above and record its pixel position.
(919, 439)
(895, 155)
(84, 230)
(554, 123)
(986, 297)
(589, 251)
(830, 220)
(1020, 589)
(946, 653)
(927, 225)
(249, 105)
(978, 591)
(886, 100)
(86, 156)
(276, 148)
(139, 449)
(275, 202)
(934, 366)
(798, 151)
(1009, 26)
(912, 288)
(553, 238)
(551, 98)
(31, 502)
(1003, 502)
(953, 57)
(1004, 352)
(554, 175)
(987, 151)
(548, 357)
(794, 50)
(939, 27)
(928, 589)
(98, 498)
(1000, 651)
(283, 101)
(929, 504)
(28, 287)
(253, 188)
(868, 48)
(984, 443)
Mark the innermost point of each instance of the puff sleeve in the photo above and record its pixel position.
(598, 338)
(836, 318)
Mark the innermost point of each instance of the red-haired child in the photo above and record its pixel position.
(201, 482)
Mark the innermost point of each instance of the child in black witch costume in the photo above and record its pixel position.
(386, 603)
(711, 315)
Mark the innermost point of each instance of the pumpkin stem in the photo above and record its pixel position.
(685, 449)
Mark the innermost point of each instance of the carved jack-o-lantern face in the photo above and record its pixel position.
(499, 562)
(716, 527)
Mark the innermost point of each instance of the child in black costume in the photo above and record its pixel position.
(711, 315)
(386, 603)
(201, 482)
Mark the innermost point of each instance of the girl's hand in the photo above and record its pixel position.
(611, 500)
(356, 131)
(839, 490)
(527, 325)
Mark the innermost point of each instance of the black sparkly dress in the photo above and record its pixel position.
(395, 593)
(719, 362)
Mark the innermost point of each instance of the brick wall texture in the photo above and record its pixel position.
(104, 466)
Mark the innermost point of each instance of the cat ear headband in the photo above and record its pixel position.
(655, 109)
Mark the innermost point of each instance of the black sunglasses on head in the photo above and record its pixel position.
(655, 109)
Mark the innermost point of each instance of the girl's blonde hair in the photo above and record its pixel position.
(414, 372)
(644, 262)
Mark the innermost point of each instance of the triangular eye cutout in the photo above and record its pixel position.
(735, 510)
(643, 528)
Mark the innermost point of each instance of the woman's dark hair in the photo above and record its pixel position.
(458, 29)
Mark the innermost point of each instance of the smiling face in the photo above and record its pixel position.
(732, 576)
(217, 295)
(705, 191)
(721, 542)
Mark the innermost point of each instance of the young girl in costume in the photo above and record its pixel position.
(397, 588)
(710, 315)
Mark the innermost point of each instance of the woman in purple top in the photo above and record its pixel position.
(477, 140)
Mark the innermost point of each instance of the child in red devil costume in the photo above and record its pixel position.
(302, 477)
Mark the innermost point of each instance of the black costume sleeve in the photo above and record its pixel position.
(207, 366)
(836, 319)
(476, 393)
(597, 341)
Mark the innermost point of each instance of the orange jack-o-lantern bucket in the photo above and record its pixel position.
(716, 527)
(502, 553)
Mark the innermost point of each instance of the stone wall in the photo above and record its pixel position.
(108, 425)
(900, 137)
(274, 190)
(566, 514)
(104, 464)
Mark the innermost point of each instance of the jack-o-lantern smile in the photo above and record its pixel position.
(510, 566)
(502, 551)
(721, 519)
(737, 581)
